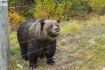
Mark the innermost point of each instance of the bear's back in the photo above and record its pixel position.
(23, 29)
(27, 24)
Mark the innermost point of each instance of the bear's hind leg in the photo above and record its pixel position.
(23, 48)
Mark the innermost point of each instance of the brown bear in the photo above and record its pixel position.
(38, 39)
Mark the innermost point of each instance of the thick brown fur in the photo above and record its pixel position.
(37, 40)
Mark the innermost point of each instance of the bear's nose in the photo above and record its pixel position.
(57, 29)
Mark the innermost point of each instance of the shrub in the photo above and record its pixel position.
(80, 8)
(97, 6)
(15, 19)
(51, 9)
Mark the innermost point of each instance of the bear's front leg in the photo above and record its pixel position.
(50, 51)
(32, 62)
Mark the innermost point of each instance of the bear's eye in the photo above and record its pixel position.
(57, 25)
(50, 26)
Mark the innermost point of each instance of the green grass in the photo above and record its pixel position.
(70, 28)
(101, 41)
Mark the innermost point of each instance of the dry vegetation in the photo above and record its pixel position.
(81, 46)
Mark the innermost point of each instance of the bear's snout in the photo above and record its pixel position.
(57, 29)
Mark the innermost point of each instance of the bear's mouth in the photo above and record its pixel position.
(53, 34)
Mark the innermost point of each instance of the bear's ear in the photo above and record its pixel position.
(42, 24)
(58, 21)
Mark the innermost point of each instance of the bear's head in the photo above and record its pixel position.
(50, 28)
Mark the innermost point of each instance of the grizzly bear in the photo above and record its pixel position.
(37, 39)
